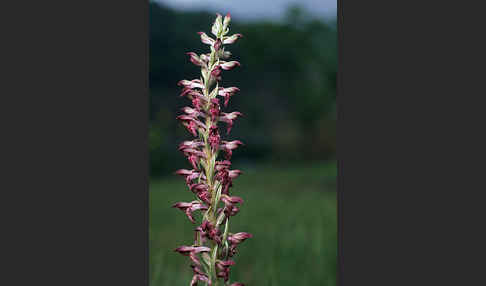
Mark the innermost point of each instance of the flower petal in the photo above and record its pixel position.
(206, 39)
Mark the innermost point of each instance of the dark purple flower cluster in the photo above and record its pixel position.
(210, 178)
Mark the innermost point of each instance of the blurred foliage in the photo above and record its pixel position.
(287, 80)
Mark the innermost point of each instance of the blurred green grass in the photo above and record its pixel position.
(291, 211)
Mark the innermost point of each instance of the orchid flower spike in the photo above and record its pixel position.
(210, 178)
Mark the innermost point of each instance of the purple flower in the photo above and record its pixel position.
(190, 175)
(229, 210)
(228, 65)
(233, 174)
(206, 39)
(189, 208)
(216, 71)
(239, 237)
(195, 59)
(211, 231)
(222, 165)
(223, 267)
(235, 239)
(214, 110)
(224, 264)
(228, 147)
(191, 144)
(231, 145)
(214, 138)
(199, 275)
(231, 39)
(197, 98)
(231, 200)
(185, 250)
(228, 119)
(227, 93)
(194, 160)
(189, 150)
(191, 127)
(217, 44)
(205, 57)
(191, 123)
(194, 156)
(205, 196)
(195, 83)
(198, 187)
(184, 172)
(192, 111)
(197, 102)
(191, 93)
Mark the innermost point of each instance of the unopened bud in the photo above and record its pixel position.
(217, 27)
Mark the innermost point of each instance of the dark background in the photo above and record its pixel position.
(287, 80)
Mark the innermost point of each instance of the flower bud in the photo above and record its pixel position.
(217, 45)
(226, 21)
(225, 54)
(216, 71)
(217, 27)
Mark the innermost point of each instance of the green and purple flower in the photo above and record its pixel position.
(210, 179)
